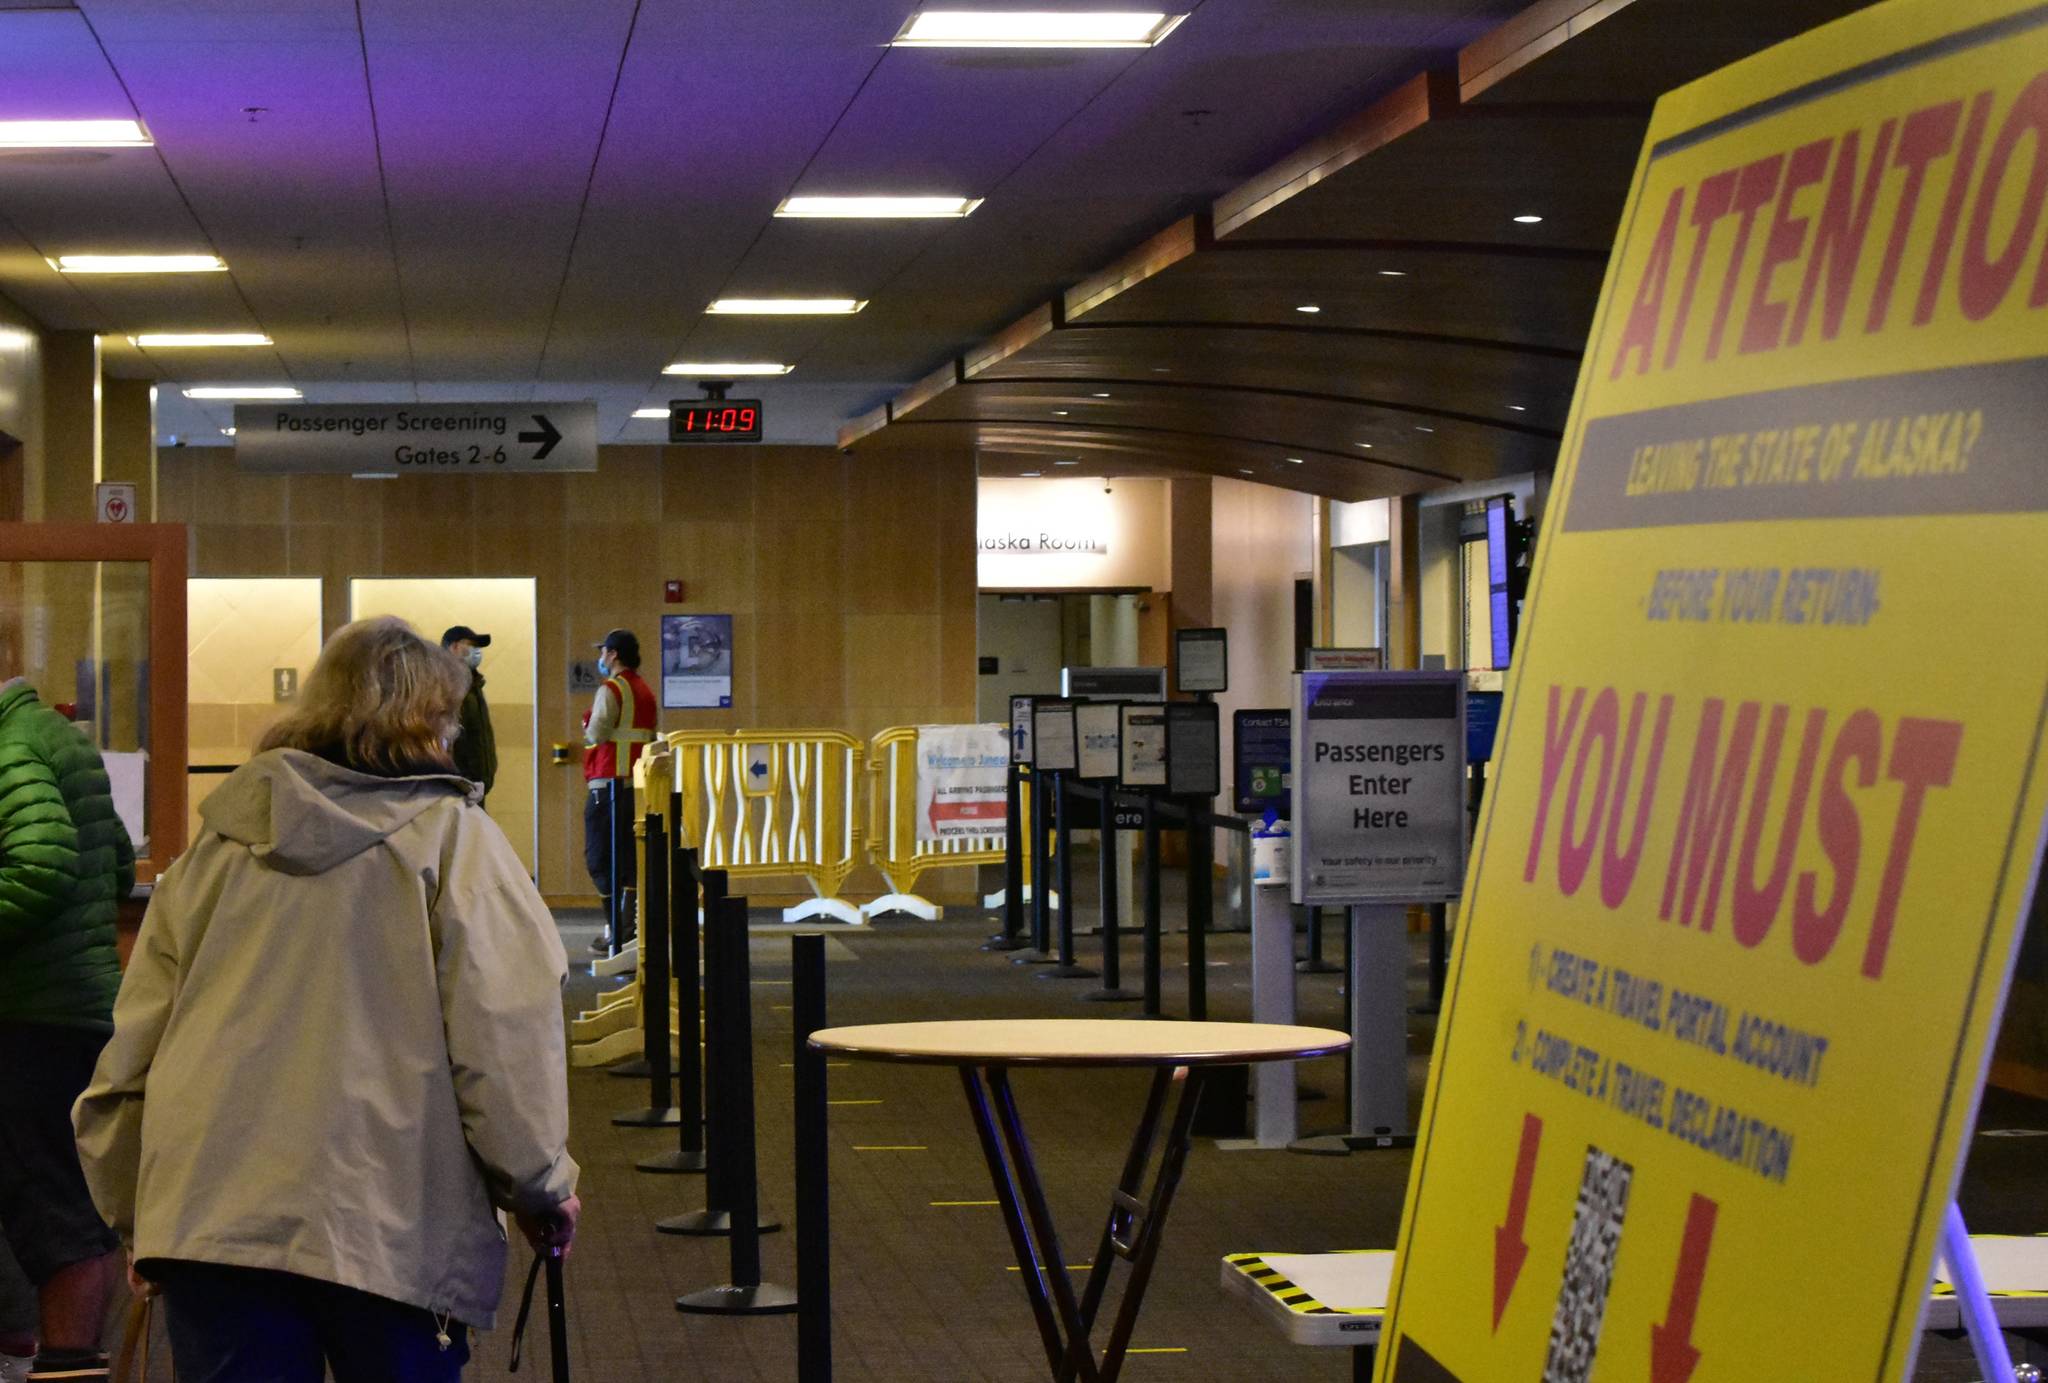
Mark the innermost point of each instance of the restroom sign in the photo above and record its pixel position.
(114, 503)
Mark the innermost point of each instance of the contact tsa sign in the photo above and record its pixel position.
(1747, 889)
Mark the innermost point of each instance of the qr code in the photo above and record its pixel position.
(1588, 1268)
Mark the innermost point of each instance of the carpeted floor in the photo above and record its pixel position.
(921, 1288)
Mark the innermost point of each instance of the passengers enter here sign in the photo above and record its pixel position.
(1770, 798)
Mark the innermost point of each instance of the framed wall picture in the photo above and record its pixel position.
(696, 662)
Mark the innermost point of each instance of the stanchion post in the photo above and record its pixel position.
(654, 989)
(813, 1166)
(1011, 938)
(683, 929)
(1041, 878)
(1201, 905)
(1112, 951)
(743, 1293)
(1152, 923)
(1063, 842)
(623, 881)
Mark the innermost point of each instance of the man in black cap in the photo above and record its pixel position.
(476, 748)
(616, 731)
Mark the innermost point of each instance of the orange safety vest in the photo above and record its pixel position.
(637, 713)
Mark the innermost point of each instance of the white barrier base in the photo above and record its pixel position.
(624, 963)
(835, 909)
(995, 900)
(903, 902)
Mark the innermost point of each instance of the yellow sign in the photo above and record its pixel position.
(1744, 901)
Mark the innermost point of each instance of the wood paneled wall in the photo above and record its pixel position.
(851, 582)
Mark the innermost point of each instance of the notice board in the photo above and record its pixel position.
(1769, 791)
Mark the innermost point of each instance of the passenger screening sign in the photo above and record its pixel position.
(1745, 897)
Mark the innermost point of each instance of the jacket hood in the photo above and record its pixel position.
(304, 815)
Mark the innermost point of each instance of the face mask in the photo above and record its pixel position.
(604, 665)
(475, 657)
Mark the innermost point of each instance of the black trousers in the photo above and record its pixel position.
(597, 838)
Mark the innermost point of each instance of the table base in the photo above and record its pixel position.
(1132, 1231)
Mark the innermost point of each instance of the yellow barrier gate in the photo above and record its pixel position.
(893, 842)
(759, 803)
(612, 1031)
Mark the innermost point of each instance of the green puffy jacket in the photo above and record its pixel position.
(65, 864)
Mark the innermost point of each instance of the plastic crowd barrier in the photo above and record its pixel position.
(893, 841)
(762, 803)
(612, 1030)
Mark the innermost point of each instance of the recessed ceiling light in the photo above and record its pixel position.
(1309, 308)
(138, 264)
(242, 391)
(158, 340)
(1066, 463)
(73, 134)
(725, 369)
(1393, 273)
(786, 307)
(650, 413)
(1528, 220)
(227, 432)
(1420, 428)
(1101, 396)
(1517, 408)
(877, 208)
(1031, 475)
(1035, 29)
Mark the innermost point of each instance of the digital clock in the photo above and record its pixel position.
(714, 420)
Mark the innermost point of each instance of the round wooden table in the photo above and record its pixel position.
(1178, 1054)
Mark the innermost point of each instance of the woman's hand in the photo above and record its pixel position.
(555, 1231)
(141, 1287)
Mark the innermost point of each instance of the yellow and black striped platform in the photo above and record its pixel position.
(1315, 1298)
(2015, 1268)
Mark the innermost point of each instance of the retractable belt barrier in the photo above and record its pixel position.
(894, 843)
(763, 803)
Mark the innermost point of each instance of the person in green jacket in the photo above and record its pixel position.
(65, 864)
(476, 748)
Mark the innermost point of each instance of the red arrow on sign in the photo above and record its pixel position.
(1672, 1355)
(1509, 1250)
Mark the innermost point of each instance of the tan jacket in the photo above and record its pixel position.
(338, 1049)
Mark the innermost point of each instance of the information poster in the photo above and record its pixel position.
(1262, 756)
(696, 661)
(1381, 786)
(1194, 758)
(1769, 792)
(963, 781)
(1144, 747)
(1052, 736)
(1097, 732)
(1020, 729)
(1202, 659)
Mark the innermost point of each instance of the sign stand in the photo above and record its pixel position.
(1275, 1111)
(1987, 1341)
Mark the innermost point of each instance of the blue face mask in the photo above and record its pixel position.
(474, 657)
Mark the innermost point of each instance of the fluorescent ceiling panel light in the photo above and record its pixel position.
(1529, 220)
(1243, 471)
(1393, 273)
(1066, 463)
(156, 340)
(1100, 396)
(725, 369)
(1030, 475)
(786, 307)
(1036, 29)
(1420, 428)
(73, 134)
(1294, 461)
(1309, 308)
(650, 413)
(1059, 412)
(877, 208)
(1517, 408)
(242, 391)
(138, 264)
(1366, 445)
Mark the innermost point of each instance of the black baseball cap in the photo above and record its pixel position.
(623, 642)
(457, 633)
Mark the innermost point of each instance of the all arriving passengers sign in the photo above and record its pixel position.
(1746, 893)
(416, 438)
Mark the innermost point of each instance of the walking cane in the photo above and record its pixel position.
(558, 1315)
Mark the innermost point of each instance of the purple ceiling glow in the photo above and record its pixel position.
(472, 199)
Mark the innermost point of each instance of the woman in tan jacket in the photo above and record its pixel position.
(338, 1049)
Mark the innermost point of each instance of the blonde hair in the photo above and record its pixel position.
(381, 699)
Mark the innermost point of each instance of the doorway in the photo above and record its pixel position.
(250, 642)
(502, 607)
